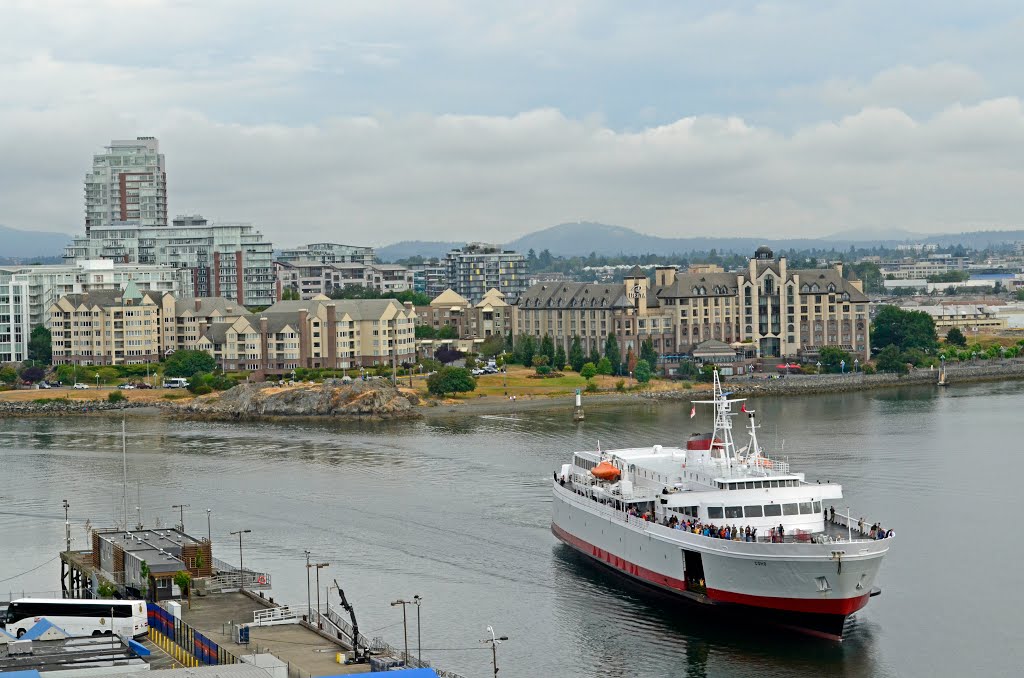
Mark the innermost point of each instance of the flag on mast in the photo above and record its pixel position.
(743, 407)
(693, 412)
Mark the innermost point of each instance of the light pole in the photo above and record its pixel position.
(309, 599)
(209, 532)
(318, 567)
(842, 367)
(241, 566)
(818, 364)
(181, 508)
(419, 636)
(67, 526)
(405, 626)
(856, 364)
(494, 641)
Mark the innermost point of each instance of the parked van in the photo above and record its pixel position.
(175, 382)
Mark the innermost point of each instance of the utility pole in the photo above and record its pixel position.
(241, 567)
(494, 641)
(182, 507)
(419, 637)
(318, 567)
(309, 599)
(405, 626)
(67, 526)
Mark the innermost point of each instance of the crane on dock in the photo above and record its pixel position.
(359, 656)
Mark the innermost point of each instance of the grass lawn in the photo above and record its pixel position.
(519, 382)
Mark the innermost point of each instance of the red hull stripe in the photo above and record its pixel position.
(619, 563)
(810, 605)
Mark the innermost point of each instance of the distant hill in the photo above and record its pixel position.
(34, 245)
(428, 249)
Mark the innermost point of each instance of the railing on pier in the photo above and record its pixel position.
(233, 581)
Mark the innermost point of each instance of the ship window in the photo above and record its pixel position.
(752, 511)
(806, 508)
(749, 485)
(773, 509)
(817, 507)
(757, 485)
(790, 510)
(714, 512)
(773, 483)
(733, 511)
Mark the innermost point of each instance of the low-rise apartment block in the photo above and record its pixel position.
(310, 279)
(491, 315)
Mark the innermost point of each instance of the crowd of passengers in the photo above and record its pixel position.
(732, 533)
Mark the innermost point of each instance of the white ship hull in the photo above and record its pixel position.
(813, 587)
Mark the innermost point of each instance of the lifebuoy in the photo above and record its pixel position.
(261, 579)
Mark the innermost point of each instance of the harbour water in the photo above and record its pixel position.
(456, 509)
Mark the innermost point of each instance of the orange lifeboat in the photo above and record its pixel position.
(605, 471)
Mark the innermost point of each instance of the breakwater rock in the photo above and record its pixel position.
(807, 384)
(332, 398)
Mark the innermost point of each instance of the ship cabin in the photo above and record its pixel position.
(707, 487)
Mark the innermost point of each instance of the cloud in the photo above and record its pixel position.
(376, 179)
(930, 87)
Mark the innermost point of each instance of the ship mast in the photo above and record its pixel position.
(723, 420)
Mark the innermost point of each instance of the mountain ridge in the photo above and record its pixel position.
(31, 245)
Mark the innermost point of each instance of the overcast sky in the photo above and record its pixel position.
(372, 121)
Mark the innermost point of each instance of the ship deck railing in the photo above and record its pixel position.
(836, 531)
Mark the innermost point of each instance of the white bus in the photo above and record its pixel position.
(78, 617)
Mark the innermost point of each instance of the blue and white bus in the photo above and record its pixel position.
(78, 617)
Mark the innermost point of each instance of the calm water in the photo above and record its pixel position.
(457, 511)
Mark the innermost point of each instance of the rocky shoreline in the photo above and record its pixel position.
(332, 398)
(62, 406)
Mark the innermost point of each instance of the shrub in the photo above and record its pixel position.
(202, 389)
(868, 369)
(451, 380)
(591, 387)
(106, 589)
(544, 370)
(187, 363)
(588, 371)
(620, 385)
(643, 371)
(604, 366)
(116, 397)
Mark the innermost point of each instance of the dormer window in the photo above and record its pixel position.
(831, 287)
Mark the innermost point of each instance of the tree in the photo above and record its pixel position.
(605, 367)
(187, 363)
(559, 363)
(109, 374)
(39, 348)
(425, 332)
(540, 360)
(955, 337)
(595, 355)
(525, 348)
(903, 329)
(631, 360)
(588, 370)
(492, 346)
(451, 380)
(33, 374)
(648, 353)
(832, 358)
(642, 371)
(448, 332)
(448, 355)
(547, 347)
(612, 352)
(184, 581)
(576, 357)
(890, 359)
(289, 294)
(8, 374)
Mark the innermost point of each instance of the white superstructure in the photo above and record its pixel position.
(724, 526)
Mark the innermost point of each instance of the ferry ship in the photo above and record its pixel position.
(659, 515)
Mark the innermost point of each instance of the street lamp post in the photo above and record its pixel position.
(494, 641)
(318, 567)
(309, 598)
(856, 364)
(209, 532)
(419, 636)
(842, 366)
(67, 526)
(181, 508)
(405, 626)
(241, 565)
(819, 366)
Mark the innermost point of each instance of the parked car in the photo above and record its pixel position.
(43, 384)
(141, 385)
(81, 386)
(126, 386)
(54, 384)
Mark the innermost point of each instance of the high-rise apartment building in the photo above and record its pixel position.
(328, 253)
(127, 184)
(225, 260)
(477, 268)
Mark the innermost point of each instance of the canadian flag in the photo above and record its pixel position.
(693, 412)
(743, 407)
